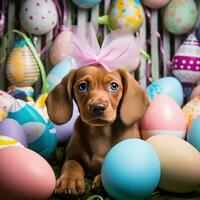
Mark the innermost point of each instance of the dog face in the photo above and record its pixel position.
(99, 95)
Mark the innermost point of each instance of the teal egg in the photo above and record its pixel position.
(40, 134)
(86, 3)
(131, 170)
(193, 135)
(169, 86)
(59, 71)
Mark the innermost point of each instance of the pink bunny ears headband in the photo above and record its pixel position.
(119, 49)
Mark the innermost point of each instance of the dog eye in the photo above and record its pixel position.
(113, 87)
(83, 86)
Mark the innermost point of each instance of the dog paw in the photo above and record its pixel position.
(70, 185)
(97, 182)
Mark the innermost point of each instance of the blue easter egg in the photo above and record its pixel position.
(131, 170)
(167, 85)
(59, 72)
(40, 134)
(86, 3)
(193, 135)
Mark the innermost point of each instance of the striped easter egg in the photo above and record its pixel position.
(7, 141)
(22, 68)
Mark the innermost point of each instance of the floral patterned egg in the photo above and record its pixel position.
(38, 16)
(180, 16)
(126, 14)
(22, 68)
(186, 62)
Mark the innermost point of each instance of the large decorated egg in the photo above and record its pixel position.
(25, 175)
(60, 48)
(6, 141)
(86, 3)
(155, 4)
(167, 85)
(180, 161)
(38, 16)
(163, 117)
(11, 128)
(126, 14)
(186, 61)
(22, 68)
(192, 110)
(180, 16)
(58, 72)
(40, 134)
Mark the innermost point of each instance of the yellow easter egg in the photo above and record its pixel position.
(7, 141)
(3, 114)
(22, 68)
(126, 14)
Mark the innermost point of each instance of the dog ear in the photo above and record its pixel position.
(59, 101)
(134, 101)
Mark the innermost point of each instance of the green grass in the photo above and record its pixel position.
(57, 162)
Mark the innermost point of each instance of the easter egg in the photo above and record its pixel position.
(38, 16)
(167, 85)
(25, 175)
(163, 117)
(195, 92)
(186, 61)
(12, 129)
(126, 14)
(58, 72)
(155, 4)
(60, 48)
(193, 136)
(21, 67)
(192, 110)
(130, 170)
(65, 131)
(6, 141)
(15, 90)
(180, 161)
(6, 101)
(86, 3)
(40, 134)
(180, 16)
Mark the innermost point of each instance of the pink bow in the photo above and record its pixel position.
(119, 49)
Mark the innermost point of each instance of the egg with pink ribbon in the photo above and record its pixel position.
(38, 16)
(163, 117)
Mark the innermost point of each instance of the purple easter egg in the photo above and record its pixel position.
(11, 128)
(65, 131)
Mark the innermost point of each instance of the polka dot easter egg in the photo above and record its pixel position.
(126, 14)
(38, 16)
(186, 62)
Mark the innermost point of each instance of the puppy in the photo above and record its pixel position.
(110, 105)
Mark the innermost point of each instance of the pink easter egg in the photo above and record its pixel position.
(155, 4)
(25, 175)
(59, 49)
(186, 62)
(163, 117)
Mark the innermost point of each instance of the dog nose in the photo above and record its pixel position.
(97, 109)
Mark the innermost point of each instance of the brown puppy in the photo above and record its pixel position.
(110, 105)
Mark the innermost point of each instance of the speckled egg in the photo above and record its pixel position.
(180, 16)
(126, 14)
(38, 16)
